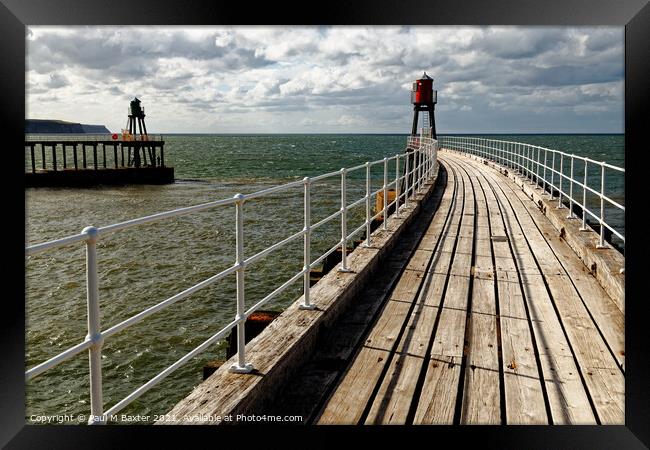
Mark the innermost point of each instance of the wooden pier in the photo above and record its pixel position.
(85, 161)
(481, 304)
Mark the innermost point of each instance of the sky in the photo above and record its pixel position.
(342, 79)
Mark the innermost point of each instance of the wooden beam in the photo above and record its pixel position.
(76, 164)
(31, 148)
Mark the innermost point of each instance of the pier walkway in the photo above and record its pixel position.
(494, 320)
(481, 314)
(486, 295)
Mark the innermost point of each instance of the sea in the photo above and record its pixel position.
(144, 265)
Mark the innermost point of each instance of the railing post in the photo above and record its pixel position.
(241, 366)
(94, 328)
(397, 186)
(344, 223)
(537, 161)
(584, 200)
(307, 244)
(544, 176)
(601, 242)
(524, 161)
(406, 179)
(420, 168)
(416, 166)
(368, 232)
(559, 199)
(385, 188)
(33, 160)
(420, 162)
(571, 215)
(517, 157)
(552, 177)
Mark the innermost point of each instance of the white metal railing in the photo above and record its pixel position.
(83, 137)
(545, 167)
(418, 163)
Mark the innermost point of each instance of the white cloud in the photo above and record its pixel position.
(337, 79)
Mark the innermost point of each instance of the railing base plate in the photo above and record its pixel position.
(248, 368)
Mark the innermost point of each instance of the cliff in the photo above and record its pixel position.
(39, 126)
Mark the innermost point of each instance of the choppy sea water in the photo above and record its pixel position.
(142, 266)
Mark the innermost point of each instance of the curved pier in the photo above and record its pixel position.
(483, 315)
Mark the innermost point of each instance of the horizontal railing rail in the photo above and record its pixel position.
(545, 167)
(412, 170)
(83, 137)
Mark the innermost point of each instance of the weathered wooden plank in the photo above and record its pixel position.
(448, 342)
(608, 262)
(438, 396)
(568, 400)
(608, 317)
(420, 259)
(481, 402)
(393, 400)
(348, 401)
(590, 350)
(523, 390)
(311, 384)
(407, 286)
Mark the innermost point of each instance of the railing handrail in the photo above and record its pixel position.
(418, 166)
(517, 155)
(88, 137)
(584, 158)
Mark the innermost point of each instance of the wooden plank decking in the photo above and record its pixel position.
(494, 320)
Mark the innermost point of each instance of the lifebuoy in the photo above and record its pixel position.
(115, 136)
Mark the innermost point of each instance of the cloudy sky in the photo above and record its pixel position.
(328, 79)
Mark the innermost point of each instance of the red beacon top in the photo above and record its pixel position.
(423, 93)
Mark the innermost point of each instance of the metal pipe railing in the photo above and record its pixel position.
(527, 160)
(418, 164)
(83, 137)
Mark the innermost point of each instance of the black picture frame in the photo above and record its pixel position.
(633, 14)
